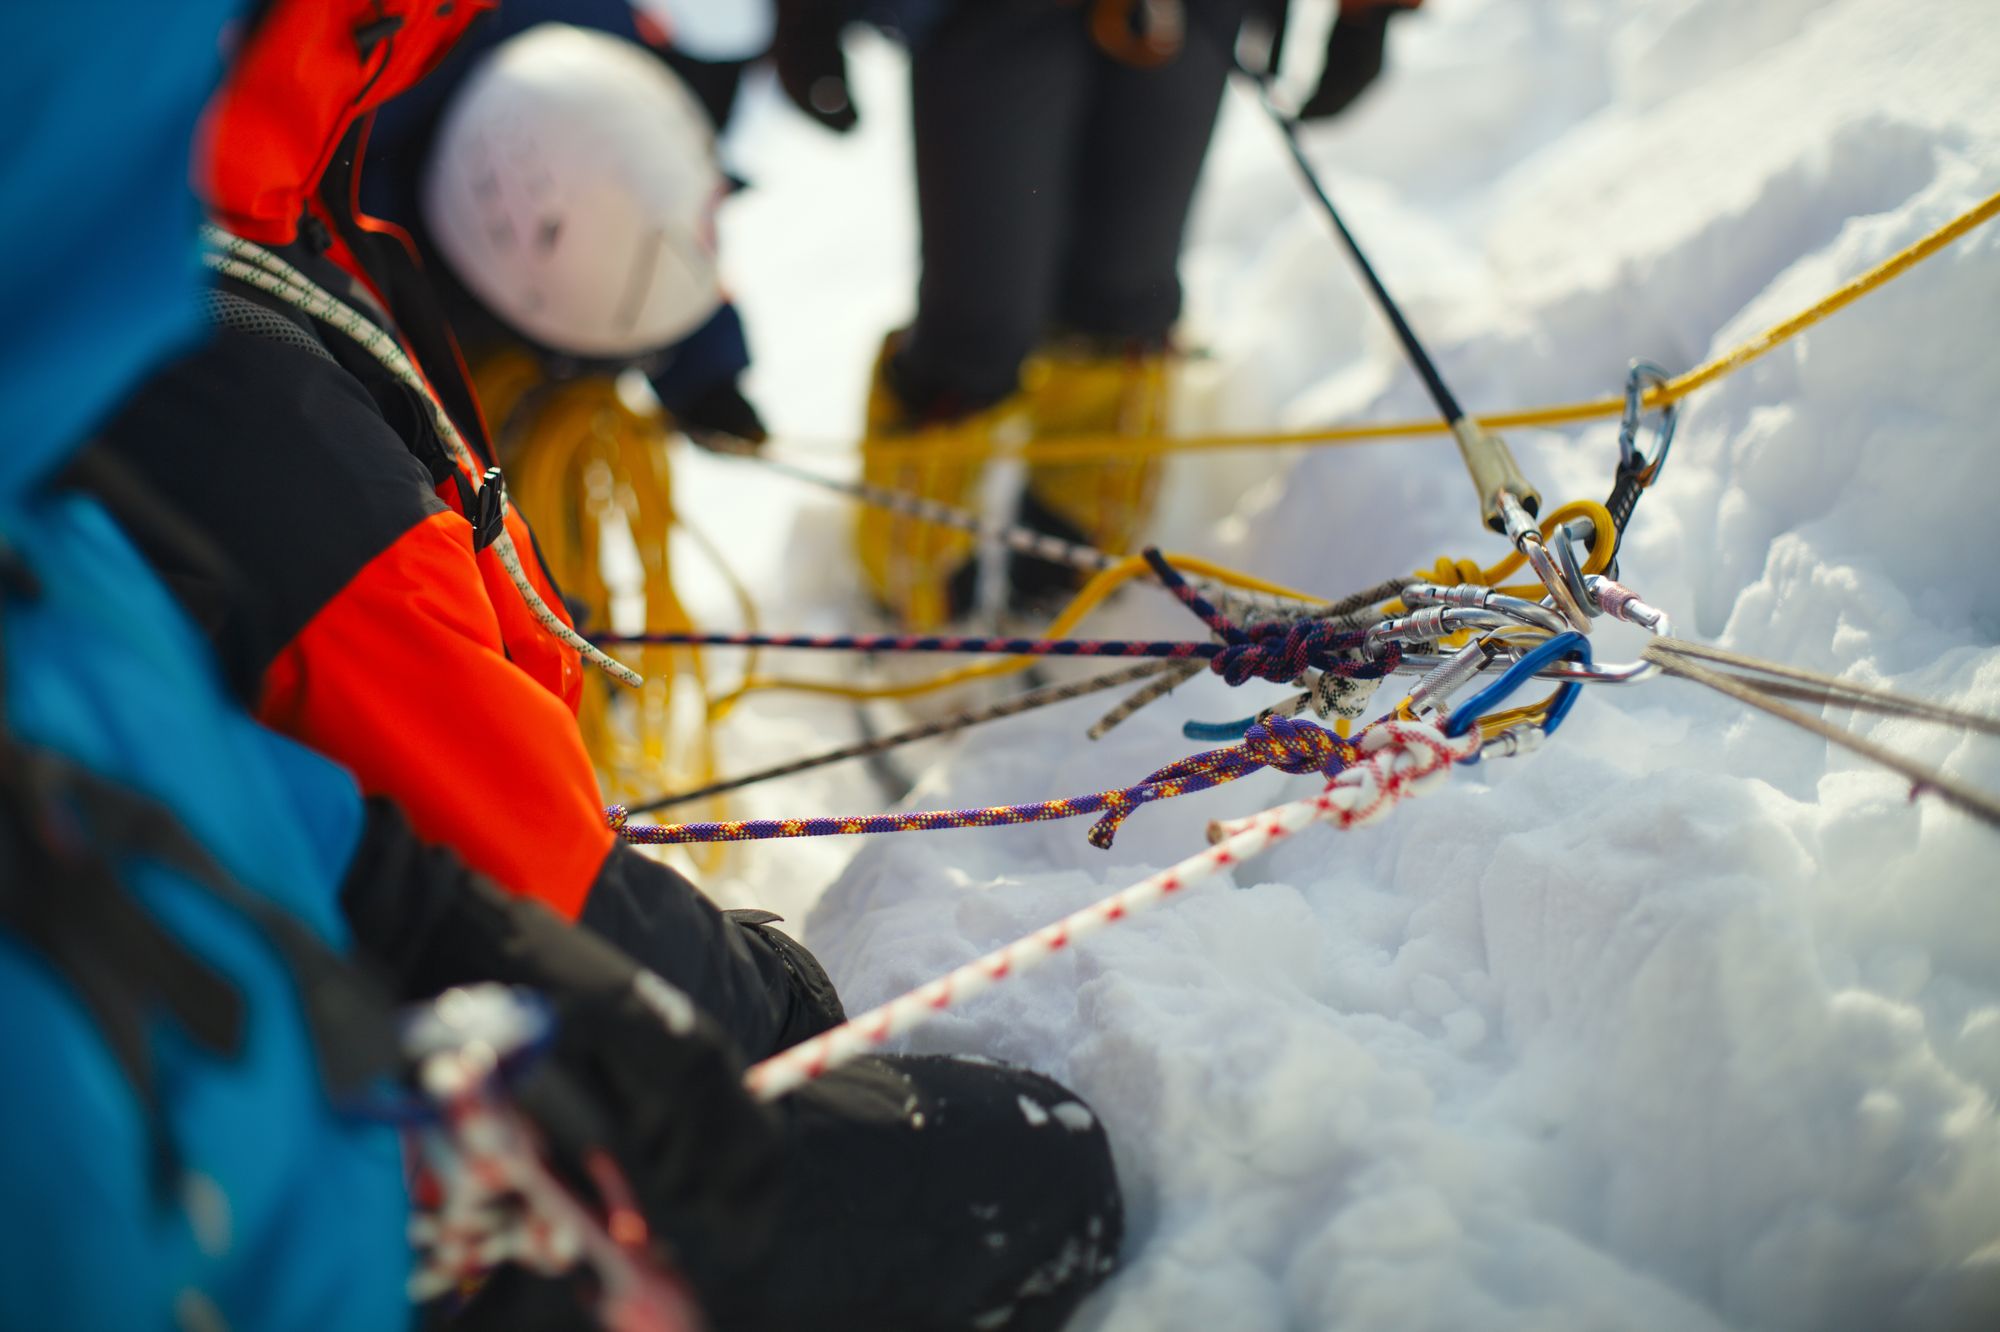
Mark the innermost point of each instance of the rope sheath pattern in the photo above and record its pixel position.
(1276, 650)
(1297, 747)
(498, 1203)
(1397, 760)
(969, 645)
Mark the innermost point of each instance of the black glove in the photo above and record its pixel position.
(811, 66)
(720, 416)
(816, 1005)
(633, 1069)
(638, 1074)
(662, 1096)
(1353, 59)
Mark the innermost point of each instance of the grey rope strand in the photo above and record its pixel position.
(1812, 687)
(1971, 799)
(1178, 674)
(1027, 541)
(1024, 540)
(1020, 703)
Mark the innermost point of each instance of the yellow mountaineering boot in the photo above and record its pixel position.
(1081, 387)
(923, 573)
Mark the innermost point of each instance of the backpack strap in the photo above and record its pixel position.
(234, 313)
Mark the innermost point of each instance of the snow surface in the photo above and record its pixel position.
(1689, 1021)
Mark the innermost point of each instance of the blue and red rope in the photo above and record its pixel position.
(1278, 651)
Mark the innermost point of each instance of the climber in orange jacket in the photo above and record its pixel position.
(400, 622)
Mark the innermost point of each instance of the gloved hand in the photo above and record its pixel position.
(636, 1073)
(1353, 55)
(816, 1005)
(633, 1069)
(812, 68)
(636, 1077)
(720, 416)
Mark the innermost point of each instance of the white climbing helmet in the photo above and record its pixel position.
(572, 187)
(713, 30)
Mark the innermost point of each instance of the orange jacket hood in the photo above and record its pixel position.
(312, 69)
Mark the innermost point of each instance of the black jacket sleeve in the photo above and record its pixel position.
(634, 1069)
(766, 990)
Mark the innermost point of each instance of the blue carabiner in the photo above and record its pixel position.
(1561, 646)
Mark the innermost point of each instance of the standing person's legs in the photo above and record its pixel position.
(998, 96)
(996, 93)
(1143, 138)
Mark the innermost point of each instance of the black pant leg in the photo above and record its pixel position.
(996, 94)
(1141, 145)
(926, 1194)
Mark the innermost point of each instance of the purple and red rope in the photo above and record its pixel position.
(1287, 744)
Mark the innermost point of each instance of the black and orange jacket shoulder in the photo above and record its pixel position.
(372, 630)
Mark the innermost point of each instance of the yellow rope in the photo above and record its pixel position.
(1449, 571)
(1080, 448)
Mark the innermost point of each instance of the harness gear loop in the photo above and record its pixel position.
(484, 506)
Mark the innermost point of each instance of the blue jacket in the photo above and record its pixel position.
(283, 1214)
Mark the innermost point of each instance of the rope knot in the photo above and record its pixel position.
(616, 816)
(1297, 747)
(1286, 743)
(1275, 650)
(1281, 652)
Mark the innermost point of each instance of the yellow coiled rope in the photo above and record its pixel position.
(588, 465)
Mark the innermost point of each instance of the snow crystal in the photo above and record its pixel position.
(1074, 1116)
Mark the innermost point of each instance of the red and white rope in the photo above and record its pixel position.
(1402, 759)
(497, 1203)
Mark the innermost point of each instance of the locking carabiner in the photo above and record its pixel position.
(1637, 472)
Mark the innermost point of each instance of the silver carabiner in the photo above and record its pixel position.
(1610, 597)
(1567, 536)
(1485, 598)
(1641, 376)
(1527, 539)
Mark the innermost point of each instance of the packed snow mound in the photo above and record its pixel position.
(1688, 1021)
